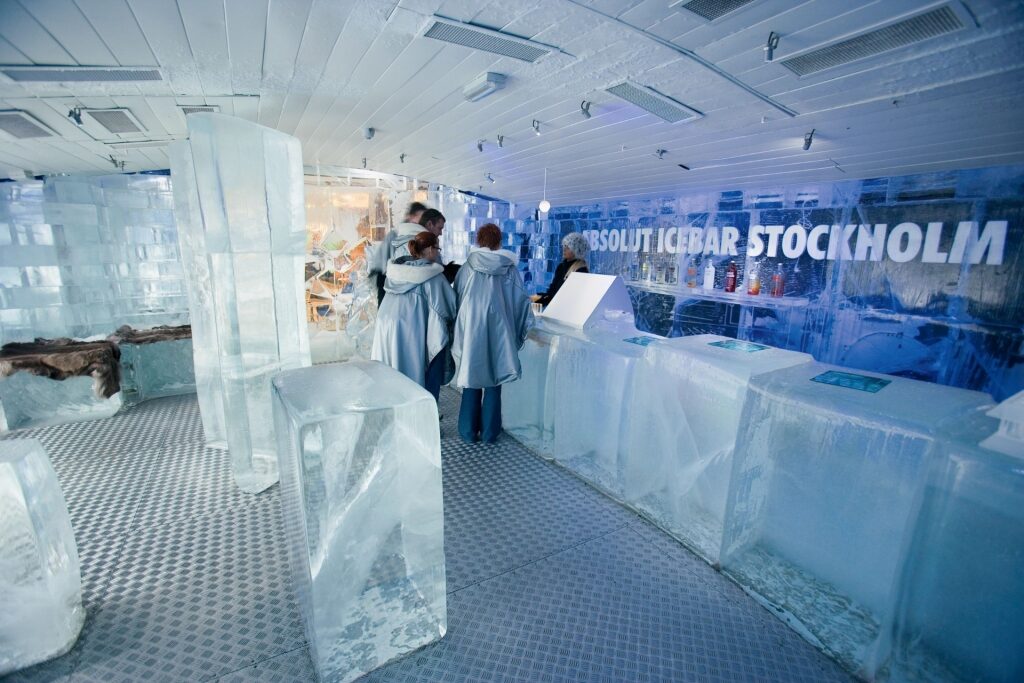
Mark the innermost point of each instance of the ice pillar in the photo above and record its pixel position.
(360, 459)
(41, 610)
(246, 184)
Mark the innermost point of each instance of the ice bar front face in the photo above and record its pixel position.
(825, 474)
(248, 182)
(41, 609)
(360, 461)
(687, 404)
(522, 408)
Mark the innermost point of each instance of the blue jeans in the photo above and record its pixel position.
(480, 414)
(435, 375)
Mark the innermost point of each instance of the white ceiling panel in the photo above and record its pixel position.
(116, 25)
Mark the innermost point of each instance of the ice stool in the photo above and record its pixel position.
(41, 611)
(359, 454)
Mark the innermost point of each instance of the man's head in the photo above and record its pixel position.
(415, 211)
(433, 221)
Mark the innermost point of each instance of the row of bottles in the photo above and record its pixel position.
(647, 269)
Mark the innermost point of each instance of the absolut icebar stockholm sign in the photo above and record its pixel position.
(900, 243)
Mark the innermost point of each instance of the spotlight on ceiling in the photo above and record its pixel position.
(364, 162)
(483, 86)
(773, 44)
(661, 153)
(369, 132)
(501, 140)
(479, 145)
(490, 177)
(808, 139)
(76, 115)
(536, 126)
(401, 158)
(585, 109)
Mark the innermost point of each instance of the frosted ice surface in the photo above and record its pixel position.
(157, 369)
(822, 492)
(40, 580)
(249, 184)
(360, 462)
(960, 609)
(688, 398)
(33, 401)
(523, 401)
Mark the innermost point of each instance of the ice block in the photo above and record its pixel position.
(40, 581)
(360, 462)
(524, 401)
(688, 397)
(249, 185)
(157, 369)
(32, 401)
(826, 469)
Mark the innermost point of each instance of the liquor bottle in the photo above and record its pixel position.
(670, 272)
(778, 282)
(730, 277)
(753, 281)
(645, 271)
(709, 276)
(634, 271)
(691, 272)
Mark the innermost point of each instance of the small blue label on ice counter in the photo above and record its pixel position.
(737, 345)
(640, 341)
(872, 385)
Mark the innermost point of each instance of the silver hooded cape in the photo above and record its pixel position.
(494, 318)
(415, 319)
(394, 245)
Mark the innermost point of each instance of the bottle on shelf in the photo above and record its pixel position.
(634, 271)
(730, 277)
(645, 271)
(709, 276)
(778, 282)
(691, 272)
(670, 272)
(753, 281)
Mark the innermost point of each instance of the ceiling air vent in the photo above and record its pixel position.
(70, 74)
(478, 38)
(935, 22)
(663, 107)
(710, 9)
(21, 125)
(117, 121)
(187, 109)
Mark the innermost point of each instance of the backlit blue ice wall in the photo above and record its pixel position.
(920, 276)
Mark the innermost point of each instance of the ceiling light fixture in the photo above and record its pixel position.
(585, 108)
(536, 126)
(501, 140)
(483, 85)
(401, 157)
(773, 44)
(490, 177)
(544, 205)
(683, 166)
(369, 132)
(808, 139)
(661, 153)
(364, 162)
(76, 115)
(479, 145)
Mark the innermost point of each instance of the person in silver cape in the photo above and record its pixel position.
(378, 256)
(414, 322)
(494, 316)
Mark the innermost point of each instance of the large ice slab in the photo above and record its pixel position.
(41, 611)
(249, 187)
(360, 456)
(688, 398)
(825, 473)
(156, 370)
(524, 401)
(29, 400)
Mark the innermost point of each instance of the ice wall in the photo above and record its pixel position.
(251, 222)
(83, 255)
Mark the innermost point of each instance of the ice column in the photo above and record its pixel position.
(41, 610)
(360, 459)
(249, 194)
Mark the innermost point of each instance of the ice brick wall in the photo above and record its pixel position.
(83, 255)
(959, 324)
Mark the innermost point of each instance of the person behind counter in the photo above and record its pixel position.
(493, 319)
(575, 248)
(413, 330)
(394, 244)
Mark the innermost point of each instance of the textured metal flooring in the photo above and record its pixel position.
(185, 577)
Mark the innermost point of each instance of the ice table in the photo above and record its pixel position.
(41, 610)
(960, 600)
(360, 463)
(155, 363)
(822, 494)
(688, 398)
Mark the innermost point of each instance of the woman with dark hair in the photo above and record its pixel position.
(493, 318)
(413, 331)
(575, 248)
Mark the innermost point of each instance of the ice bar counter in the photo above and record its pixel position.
(868, 511)
(360, 466)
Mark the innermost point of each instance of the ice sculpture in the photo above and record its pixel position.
(360, 459)
(825, 472)
(32, 401)
(205, 345)
(522, 409)
(157, 369)
(688, 398)
(40, 581)
(250, 218)
(960, 609)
